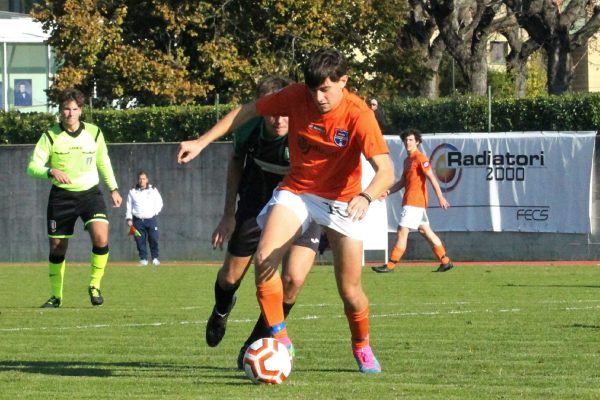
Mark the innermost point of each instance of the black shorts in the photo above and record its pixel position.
(64, 207)
(245, 237)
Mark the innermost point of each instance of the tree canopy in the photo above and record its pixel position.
(159, 52)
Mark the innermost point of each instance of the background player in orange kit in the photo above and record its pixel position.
(417, 170)
(329, 129)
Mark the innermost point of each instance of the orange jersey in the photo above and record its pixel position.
(325, 148)
(415, 181)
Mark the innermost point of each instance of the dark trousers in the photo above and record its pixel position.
(148, 228)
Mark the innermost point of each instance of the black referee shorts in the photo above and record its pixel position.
(64, 207)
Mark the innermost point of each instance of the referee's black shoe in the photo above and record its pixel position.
(53, 302)
(216, 325)
(383, 268)
(445, 267)
(95, 296)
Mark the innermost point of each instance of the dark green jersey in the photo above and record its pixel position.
(266, 162)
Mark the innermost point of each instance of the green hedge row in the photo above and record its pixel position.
(152, 124)
(20, 128)
(576, 112)
(156, 124)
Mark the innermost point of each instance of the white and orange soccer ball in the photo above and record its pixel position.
(267, 361)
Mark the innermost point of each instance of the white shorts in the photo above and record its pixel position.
(309, 207)
(412, 217)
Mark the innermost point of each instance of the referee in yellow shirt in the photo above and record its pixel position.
(73, 154)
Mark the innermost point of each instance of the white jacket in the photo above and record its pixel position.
(143, 203)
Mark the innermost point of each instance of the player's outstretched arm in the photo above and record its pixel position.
(188, 150)
(436, 187)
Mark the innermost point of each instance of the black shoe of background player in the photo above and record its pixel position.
(383, 269)
(216, 325)
(241, 354)
(445, 267)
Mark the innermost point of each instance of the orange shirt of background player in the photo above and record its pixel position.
(415, 181)
(325, 148)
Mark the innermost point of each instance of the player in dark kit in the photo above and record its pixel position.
(258, 164)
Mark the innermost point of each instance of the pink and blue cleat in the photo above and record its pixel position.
(290, 346)
(367, 363)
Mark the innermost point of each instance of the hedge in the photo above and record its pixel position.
(152, 124)
(573, 112)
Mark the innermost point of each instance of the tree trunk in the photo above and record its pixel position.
(476, 76)
(521, 74)
(430, 88)
(560, 64)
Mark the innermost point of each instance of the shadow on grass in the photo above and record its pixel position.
(96, 369)
(586, 326)
(555, 286)
(54, 368)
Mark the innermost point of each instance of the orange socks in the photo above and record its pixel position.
(270, 299)
(440, 253)
(359, 327)
(397, 253)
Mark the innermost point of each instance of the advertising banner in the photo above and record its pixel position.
(519, 182)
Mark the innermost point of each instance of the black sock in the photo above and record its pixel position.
(287, 307)
(223, 298)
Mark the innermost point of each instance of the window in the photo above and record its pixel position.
(498, 52)
(27, 77)
(18, 6)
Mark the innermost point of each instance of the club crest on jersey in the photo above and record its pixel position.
(318, 128)
(341, 137)
(426, 164)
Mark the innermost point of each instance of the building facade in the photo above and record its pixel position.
(26, 61)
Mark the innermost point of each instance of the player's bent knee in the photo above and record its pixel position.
(352, 295)
(292, 282)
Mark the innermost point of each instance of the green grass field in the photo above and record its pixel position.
(476, 332)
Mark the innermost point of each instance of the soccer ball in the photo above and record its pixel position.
(267, 361)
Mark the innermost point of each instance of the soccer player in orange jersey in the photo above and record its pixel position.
(417, 170)
(329, 128)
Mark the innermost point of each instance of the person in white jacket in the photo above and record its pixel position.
(143, 205)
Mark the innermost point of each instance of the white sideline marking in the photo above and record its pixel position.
(305, 318)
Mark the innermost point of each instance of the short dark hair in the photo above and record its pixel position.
(71, 94)
(272, 84)
(411, 131)
(323, 64)
(142, 172)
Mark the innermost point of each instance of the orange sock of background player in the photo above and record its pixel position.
(440, 253)
(359, 327)
(270, 299)
(397, 253)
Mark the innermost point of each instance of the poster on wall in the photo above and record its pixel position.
(512, 181)
(22, 92)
